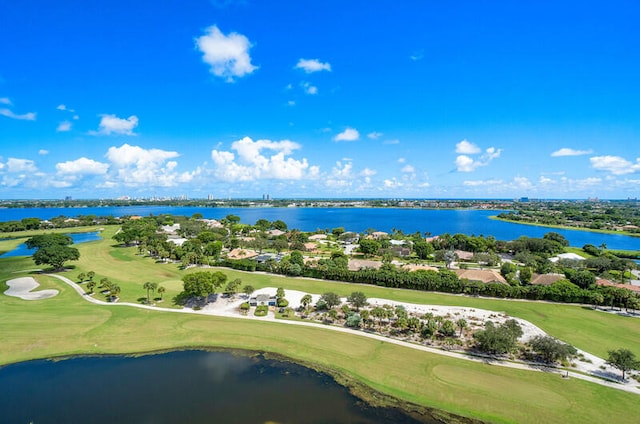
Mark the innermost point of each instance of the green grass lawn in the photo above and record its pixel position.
(67, 325)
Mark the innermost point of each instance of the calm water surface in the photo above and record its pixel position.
(22, 249)
(470, 222)
(178, 387)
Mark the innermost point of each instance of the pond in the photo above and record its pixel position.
(22, 249)
(179, 387)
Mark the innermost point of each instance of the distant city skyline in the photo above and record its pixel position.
(246, 99)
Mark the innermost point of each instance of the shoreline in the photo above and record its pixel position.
(566, 227)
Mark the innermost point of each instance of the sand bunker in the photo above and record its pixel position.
(21, 287)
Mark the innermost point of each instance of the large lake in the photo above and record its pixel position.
(178, 387)
(470, 222)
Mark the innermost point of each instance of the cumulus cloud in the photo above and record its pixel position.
(482, 183)
(408, 169)
(374, 135)
(394, 141)
(392, 183)
(465, 163)
(30, 116)
(349, 134)
(252, 163)
(111, 124)
(615, 164)
(467, 148)
(5, 101)
(43, 152)
(64, 126)
(309, 88)
(565, 151)
(64, 108)
(227, 55)
(15, 165)
(82, 166)
(312, 65)
(135, 166)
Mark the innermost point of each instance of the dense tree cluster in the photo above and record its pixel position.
(52, 249)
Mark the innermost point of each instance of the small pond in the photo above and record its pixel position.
(22, 250)
(179, 387)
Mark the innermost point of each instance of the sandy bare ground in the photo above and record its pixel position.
(230, 307)
(22, 287)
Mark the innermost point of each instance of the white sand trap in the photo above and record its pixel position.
(21, 287)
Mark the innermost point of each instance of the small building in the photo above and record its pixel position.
(262, 299)
(546, 279)
(482, 275)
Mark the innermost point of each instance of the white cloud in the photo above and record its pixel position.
(408, 169)
(312, 65)
(5, 101)
(228, 55)
(418, 55)
(375, 135)
(252, 164)
(43, 152)
(402, 160)
(482, 183)
(64, 126)
(111, 124)
(30, 116)
(392, 183)
(291, 103)
(308, 88)
(565, 151)
(465, 163)
(615, 165)
(64, 108)
(15, 165)
(467, 148)
(82, 166)
(394, 141)
(349, 134)
(135, 166)
(366, 172)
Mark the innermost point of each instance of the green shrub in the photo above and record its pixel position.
(261, 310)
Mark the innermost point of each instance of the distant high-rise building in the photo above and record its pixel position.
(210, 197)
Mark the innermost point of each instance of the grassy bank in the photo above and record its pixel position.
(67, 325)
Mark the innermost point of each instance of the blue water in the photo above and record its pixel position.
(470, 222)
(22, 249)
(180, 387)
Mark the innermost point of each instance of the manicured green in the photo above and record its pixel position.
(567, 227)
(593, 331)
(66, 325)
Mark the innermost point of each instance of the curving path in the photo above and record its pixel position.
(628, 386)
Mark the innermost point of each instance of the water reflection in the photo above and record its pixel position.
(22, 249)
(179, 387)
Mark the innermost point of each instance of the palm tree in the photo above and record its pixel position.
(161, 291)
(149, 286)
(90, 275)
(306, 300)
(91, 285)
(462, 324)
(114, 291)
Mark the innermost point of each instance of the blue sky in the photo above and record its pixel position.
(409, 99)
